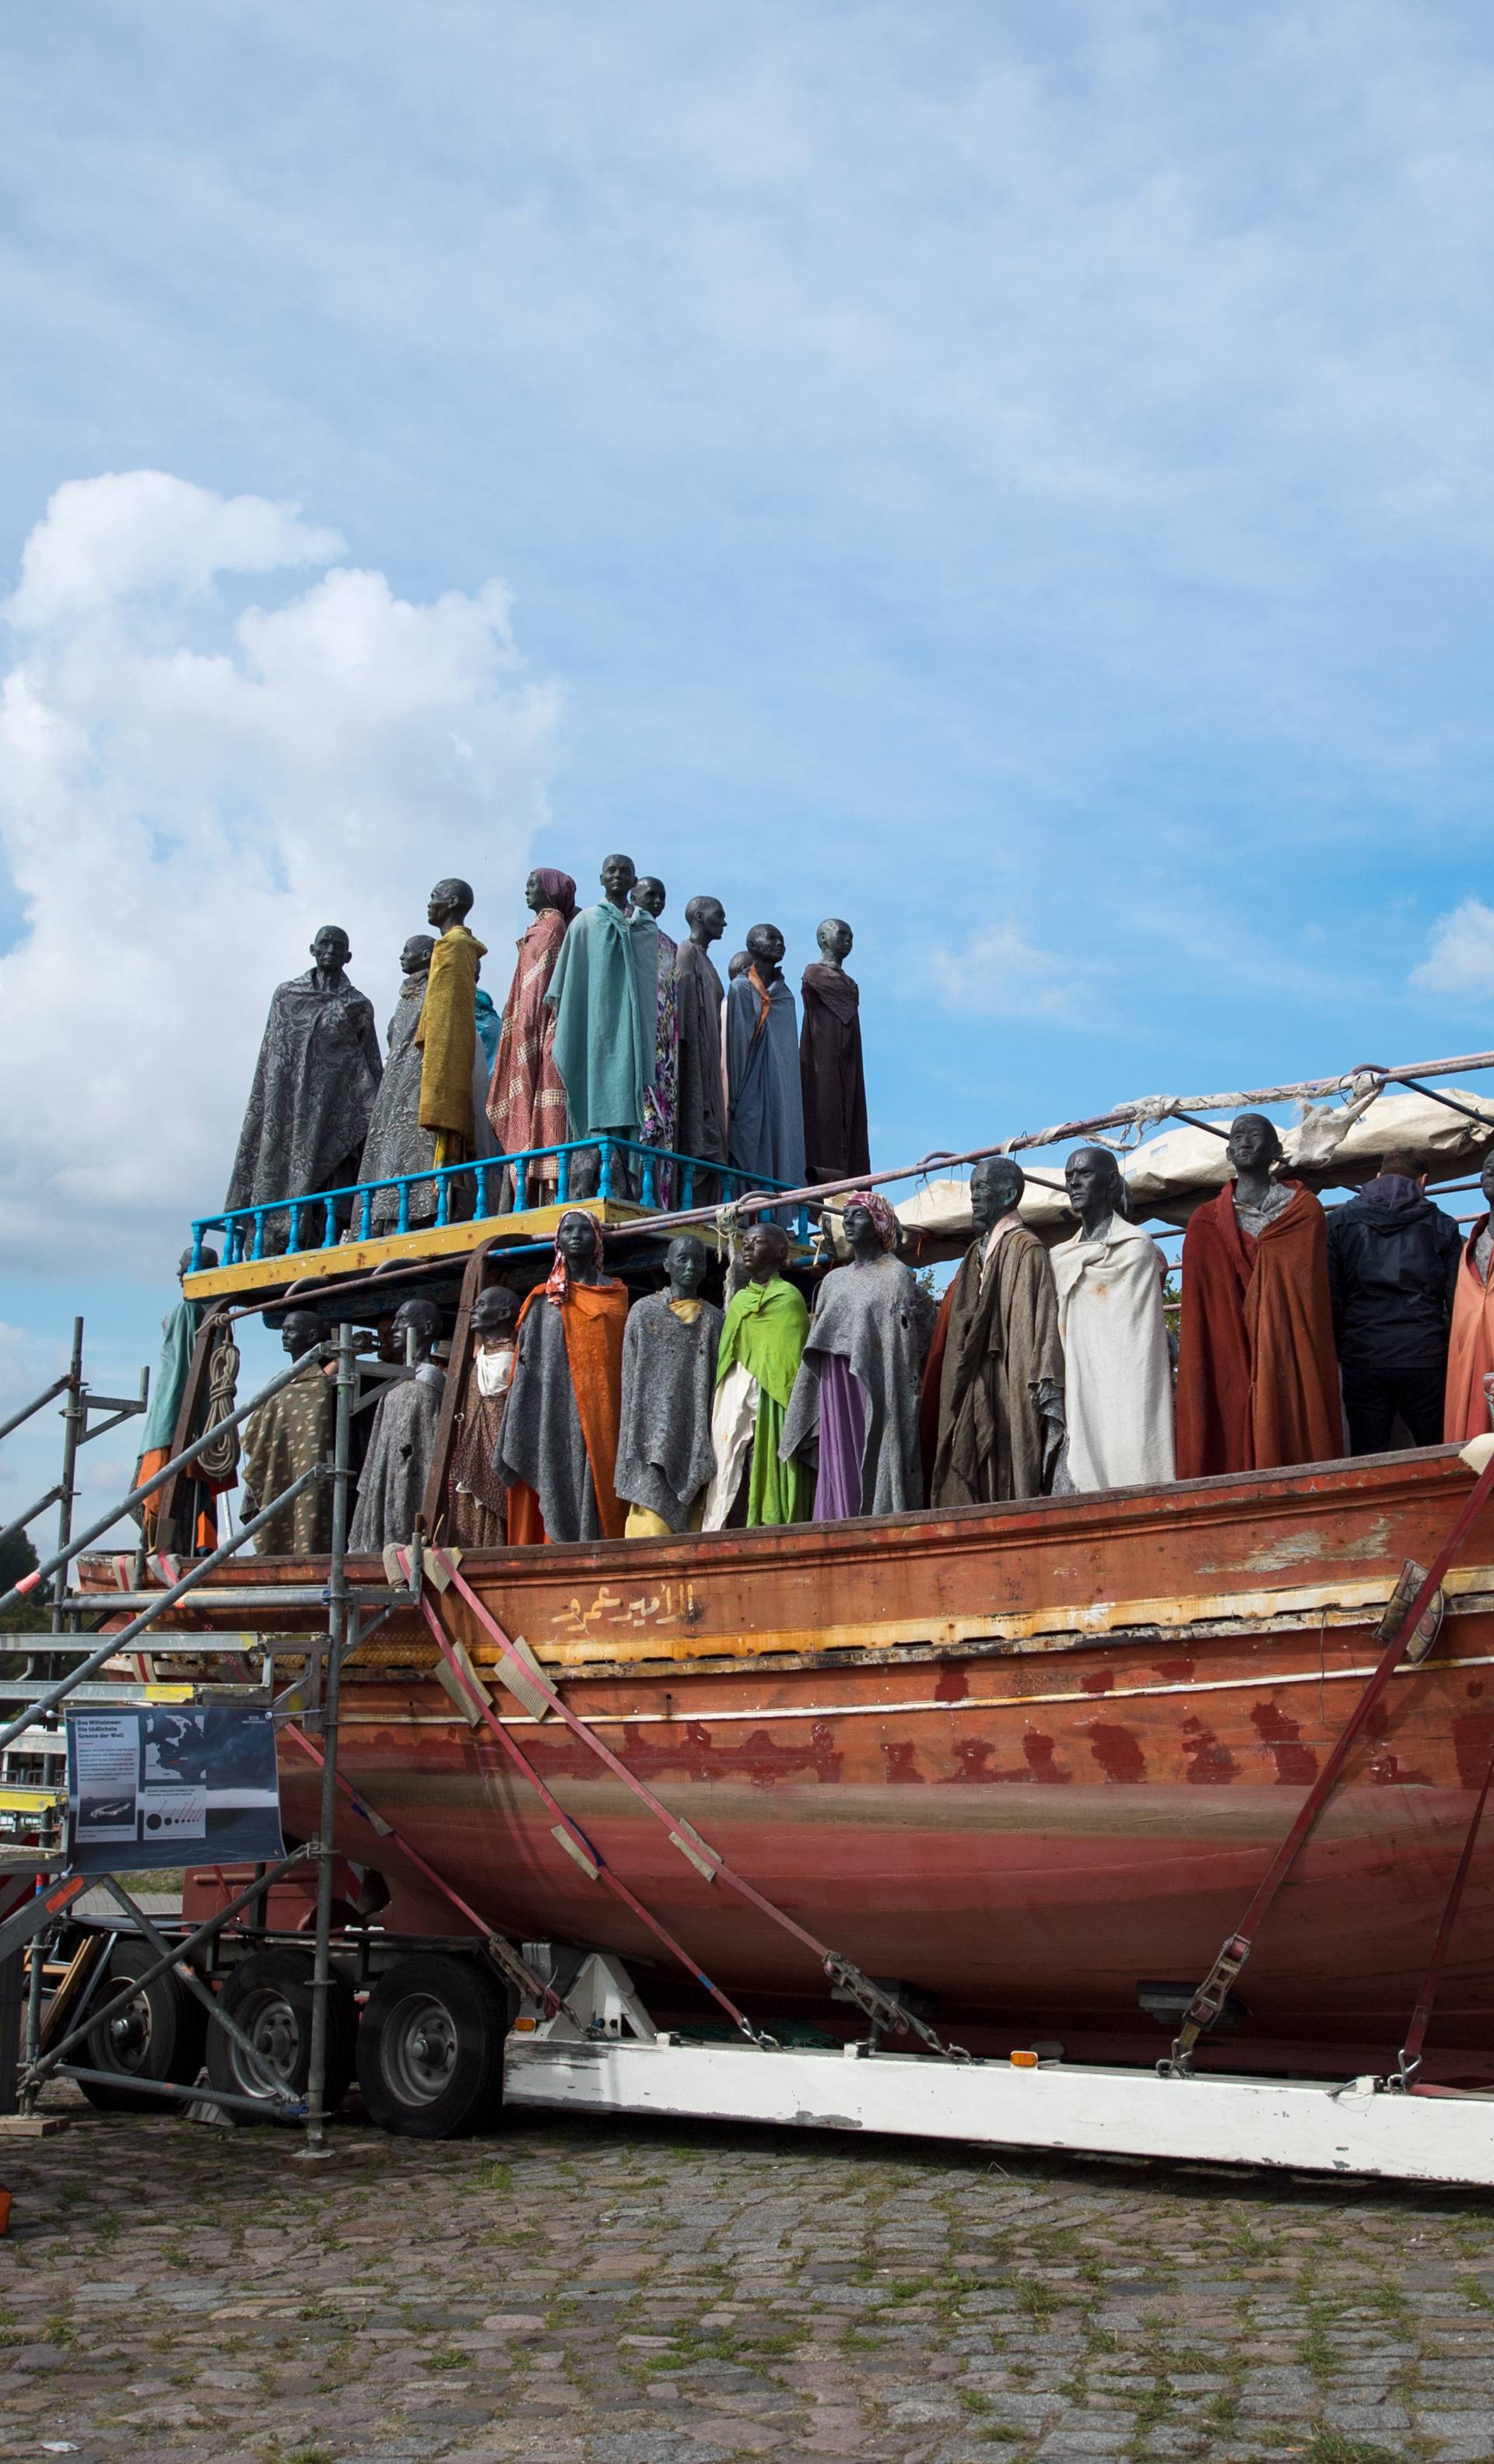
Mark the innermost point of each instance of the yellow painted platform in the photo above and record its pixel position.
(271, 1275)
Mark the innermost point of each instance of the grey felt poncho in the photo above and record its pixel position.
(396, 1140)
(701, 1120)
(392, 1488)
(766, 1133)
(315, 1082)
(877, 1321)
(665, 1457)
(543, 1442)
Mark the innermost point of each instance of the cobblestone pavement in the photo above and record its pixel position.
(578, 2293)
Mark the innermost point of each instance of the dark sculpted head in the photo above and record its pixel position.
(301, 1333)
(415, 956)
(996, 1188)
(766, 947)
(330, 952)
(836, 940)
(420, 1319)
(650, 895)
(579, 1244)
(493, 1312)
(1092, 1178)
(205, 1264)
(1254, 1144)
(739, 966)
(765, 1251)
(1486, 1178)
(706, 918)
(618, 874)
(450, 903)
(861, 1232)
(686, 1262)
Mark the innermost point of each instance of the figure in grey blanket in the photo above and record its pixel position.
(854, 1409)
(315, 1082)
(700, 1123)
(391, 1487)
(665, 1458)
(396, 1141)
(766, 1128)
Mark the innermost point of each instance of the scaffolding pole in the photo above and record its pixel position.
(339, 1634)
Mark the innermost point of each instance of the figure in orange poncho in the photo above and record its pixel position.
(1256, 1373)
(559, 1430)
(1470, 1345)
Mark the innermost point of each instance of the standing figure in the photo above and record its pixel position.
(396, 1142)
(1470, 1352)
(477, 1492)
(661, 1101)
(994, 1387)
(765, 1133)
(1257, 1377)
(1393, 1261)
(195, 1512)
(1118, 1369)
(391, 1487)
(526, 1099)
(559, 1430)
(762, 1342)
(854, 1408)
(665, 1460)
(700, 1125)
(604, 993)
(447, 1033)
(285, 1437)
(831, 1074)
(314, 1083)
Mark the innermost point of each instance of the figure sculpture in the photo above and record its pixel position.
(766, 1126)
(561, 1428)
(391, 1485)
(447, 1033)
(1470, 1352)
(665, 1458)
(526, 1097)
(700, 1128)
(831, 1074)
(1392, 1261)
(854, 1408)
(194, 1510)
(1117, 1366)
(396, 1142)
(661, 1099)
(289, 1434)
(1257, 1376)
(994, 1387)
(313, 1091)
(477, 1491)
(763, 1341)
(604, 993)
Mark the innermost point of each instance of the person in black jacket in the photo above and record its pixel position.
(1393, 1264)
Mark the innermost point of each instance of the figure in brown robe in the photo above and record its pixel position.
(1256, 1373)
(829, 1063)
(1001, 1367)
(477, 1491)
(700, 1124)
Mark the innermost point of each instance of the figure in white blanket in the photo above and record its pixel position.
(1118, 1371)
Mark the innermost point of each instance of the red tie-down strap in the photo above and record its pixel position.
(880, 2006)
(1212, 1994)
(1420, 2018)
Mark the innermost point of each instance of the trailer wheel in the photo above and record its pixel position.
(159, 2035)
(430, 2048)
(271, 1996)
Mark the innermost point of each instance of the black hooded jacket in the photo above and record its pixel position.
(1392, 1271)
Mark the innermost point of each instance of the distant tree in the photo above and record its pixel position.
(18, 1557)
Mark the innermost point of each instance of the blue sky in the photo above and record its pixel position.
(1019, 477)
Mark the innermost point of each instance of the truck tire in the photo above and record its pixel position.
(158, 2035)
(271, 1996)
(430, 2048)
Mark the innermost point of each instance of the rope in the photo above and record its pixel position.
(217, 1461)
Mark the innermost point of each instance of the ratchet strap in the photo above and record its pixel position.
(1211, 1997)
(882, 2007)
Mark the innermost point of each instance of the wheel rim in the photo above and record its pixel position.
(124, 2042)
(274, 2030)
(418, 2049)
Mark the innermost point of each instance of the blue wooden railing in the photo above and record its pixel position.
(317, 1222)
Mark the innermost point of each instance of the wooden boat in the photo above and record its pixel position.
(1030, 1760)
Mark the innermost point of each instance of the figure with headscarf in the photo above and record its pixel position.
(853, 1413)
(526, 1098)
(762, 1342)
(560, 1427)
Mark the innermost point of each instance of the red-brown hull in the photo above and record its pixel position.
(1028, 1759)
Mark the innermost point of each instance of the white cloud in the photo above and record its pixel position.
(1459, 960)
(1001, 974)
(185, 796)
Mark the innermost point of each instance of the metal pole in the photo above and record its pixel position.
(315, 2144)
(75, 1417)
(37, 1956)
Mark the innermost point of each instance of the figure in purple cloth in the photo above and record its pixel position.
(854, 1409)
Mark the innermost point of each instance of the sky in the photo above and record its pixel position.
(1019, 477)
